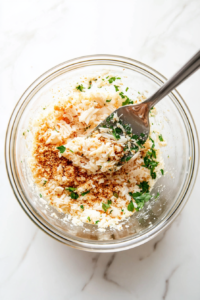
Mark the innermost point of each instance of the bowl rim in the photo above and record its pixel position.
(124, 245)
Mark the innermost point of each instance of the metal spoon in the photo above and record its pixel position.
(137, 116)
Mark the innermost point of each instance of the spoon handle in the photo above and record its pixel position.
(188, 69)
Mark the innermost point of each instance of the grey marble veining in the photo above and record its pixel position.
(36, 35)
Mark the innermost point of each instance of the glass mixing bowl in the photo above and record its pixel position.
(181, 157)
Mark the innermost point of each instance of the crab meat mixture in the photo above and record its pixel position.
(82, 174)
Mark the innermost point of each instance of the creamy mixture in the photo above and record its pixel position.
(82, 175)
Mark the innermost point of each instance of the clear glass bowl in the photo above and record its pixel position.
(181, 158)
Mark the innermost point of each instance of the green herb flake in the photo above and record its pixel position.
(140, 198)
(85, 193)
(61, 149)
(89, 219)
(135, 137)
(112, 79)
(82, 207)
(153, 143)
(71, 150)
(71, 189)
(144, 186)
(109, 118)
(80, 88)
(160, 138)
(74, 195)
(23, 133)
(97, 221)
(116, 88)
(140, 143)
(130, 206)
(115, 194)
(127, 89)
(162, 171)
(45, 181)
(111, 211)
(105, 206)
(138, 92)
(157, 195)
(127, 101)
(153, 174)
(40, 195)
(122, 95)
(116, 133)
(108, 100)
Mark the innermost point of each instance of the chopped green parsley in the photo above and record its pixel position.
(89, 219)
(110, 80)
(74, 195)
(116, 133)
(82, 207)
(106, 206)
(61, 149)
(116, 88)
(80, 88)
(140, 199)
(71, 189)
(160, 138)
(127, 101)
(144, 186)
(85, 193)
(130, 206)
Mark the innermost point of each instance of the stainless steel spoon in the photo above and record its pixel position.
(137, 116)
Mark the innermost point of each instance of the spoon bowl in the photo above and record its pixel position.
(137, 116)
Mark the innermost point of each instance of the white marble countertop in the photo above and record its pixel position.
(38, 34)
